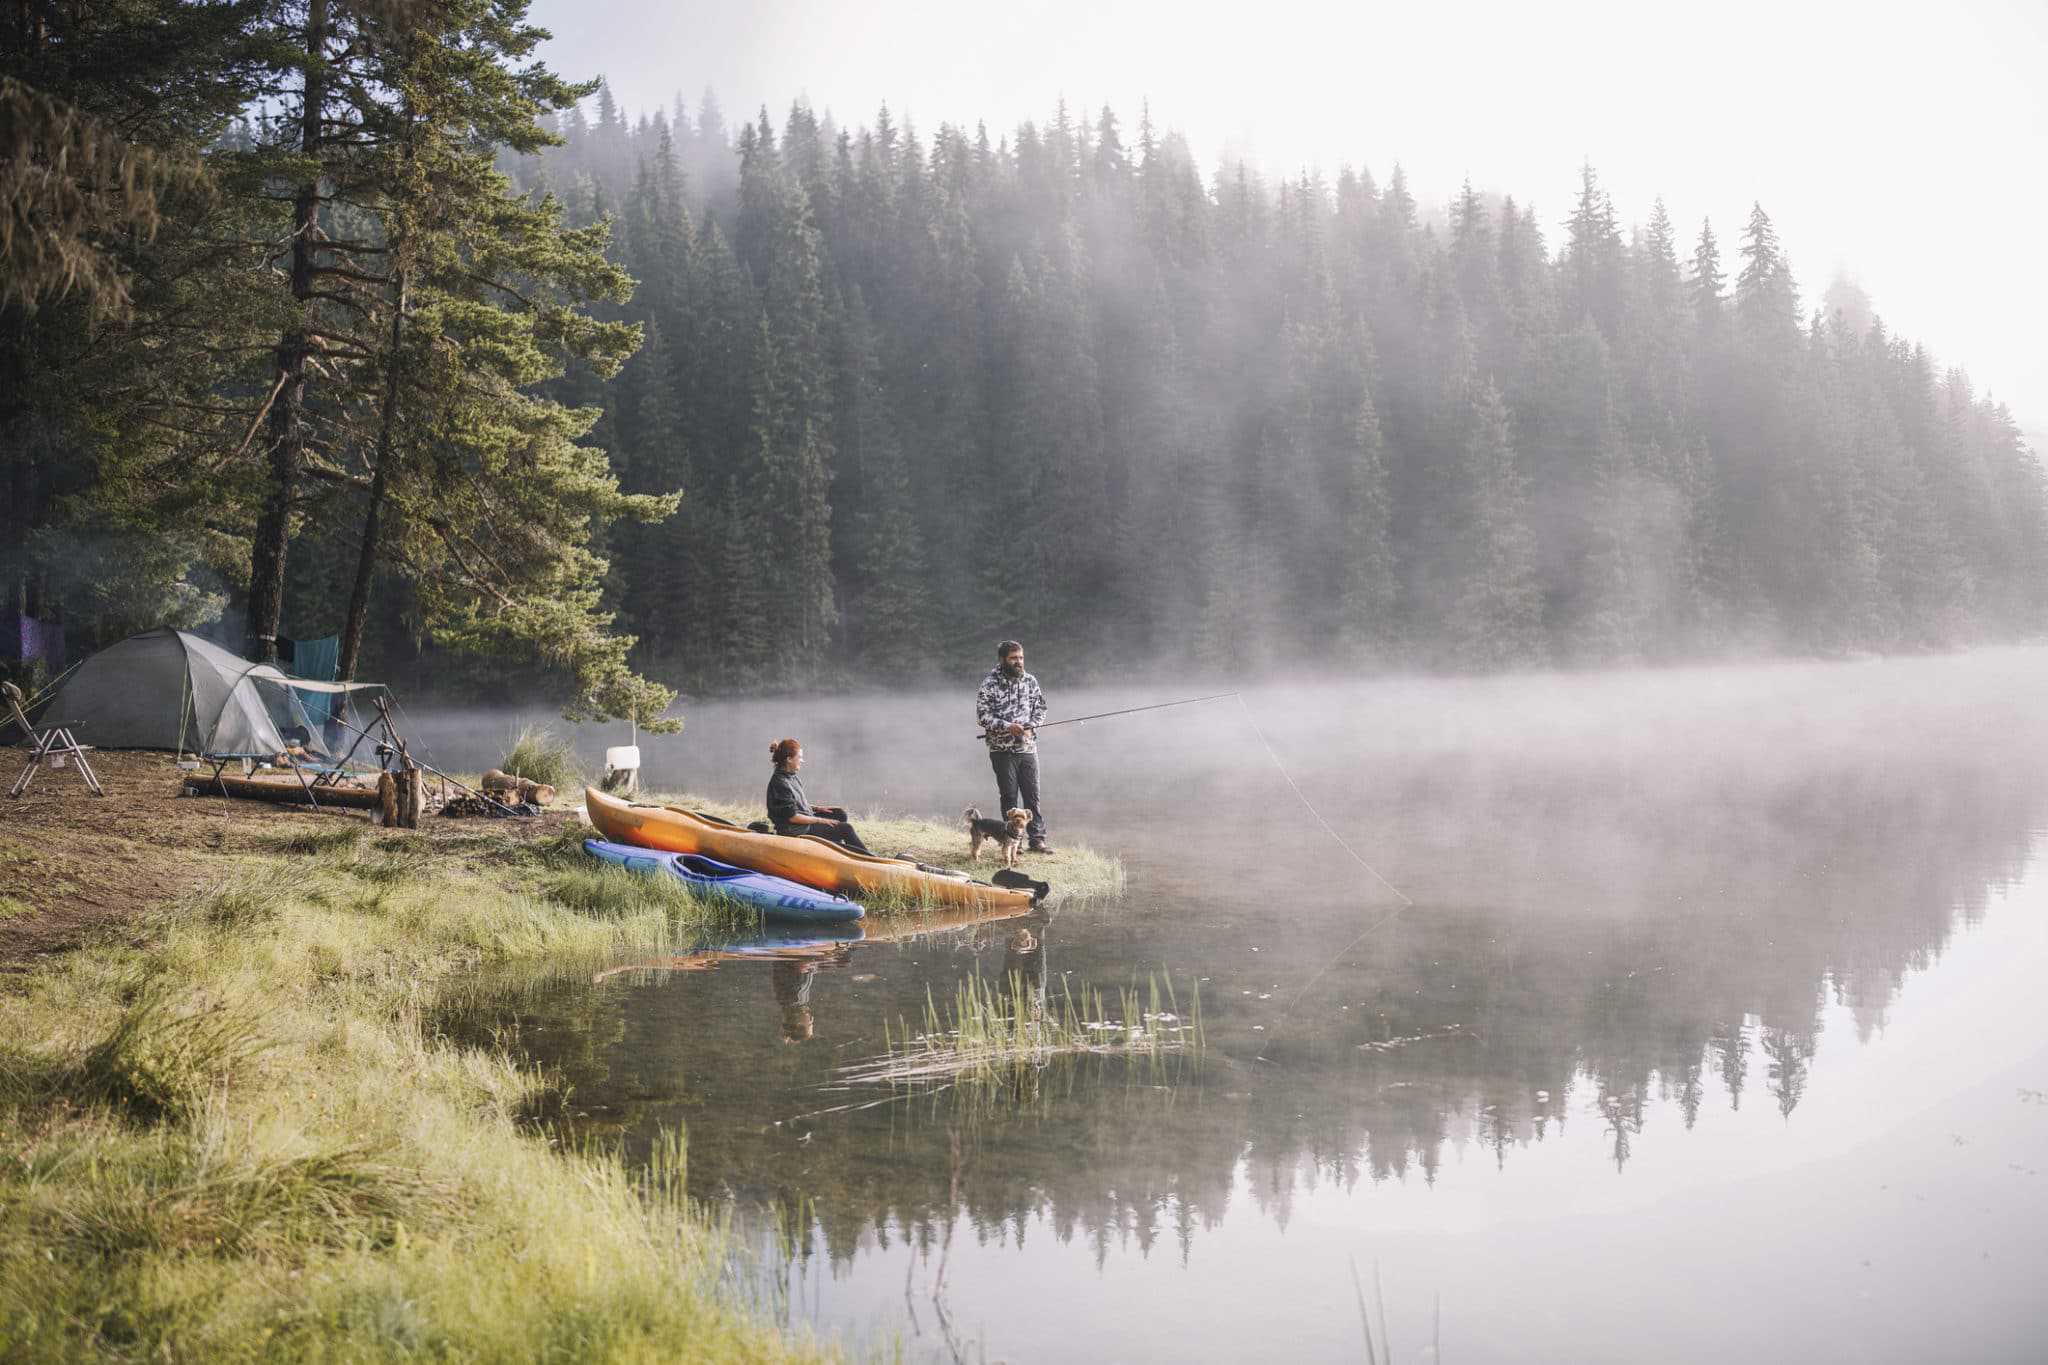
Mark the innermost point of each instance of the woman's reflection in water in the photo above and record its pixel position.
(793, 992)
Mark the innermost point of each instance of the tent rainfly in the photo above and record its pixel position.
(167, 689)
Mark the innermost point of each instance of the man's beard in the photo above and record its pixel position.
(1013, 670)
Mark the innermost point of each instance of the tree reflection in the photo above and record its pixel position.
(1573, 981)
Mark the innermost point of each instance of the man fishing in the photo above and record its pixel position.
(1009, 708)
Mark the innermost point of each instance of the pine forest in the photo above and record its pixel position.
(370, 326)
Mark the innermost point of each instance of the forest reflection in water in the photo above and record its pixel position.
(1637, 914)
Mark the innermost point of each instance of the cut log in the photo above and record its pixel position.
(287, 792)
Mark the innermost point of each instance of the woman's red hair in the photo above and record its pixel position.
(782, 750)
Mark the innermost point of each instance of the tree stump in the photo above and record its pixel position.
(410, 797)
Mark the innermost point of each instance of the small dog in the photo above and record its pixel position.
(1007, 833)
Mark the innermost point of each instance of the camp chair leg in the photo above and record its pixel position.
(92, 779)
(58, 740)
(35, 760)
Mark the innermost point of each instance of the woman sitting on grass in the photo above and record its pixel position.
(791, 813)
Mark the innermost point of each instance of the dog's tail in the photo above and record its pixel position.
(970, 815)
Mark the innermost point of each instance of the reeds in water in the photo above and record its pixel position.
(1000, 1032)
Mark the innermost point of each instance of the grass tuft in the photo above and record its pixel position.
(329, 842)
(343, 1197)
(538, 754)
(610, 892)
(243, 903)
(606, 891)
(159, 1060)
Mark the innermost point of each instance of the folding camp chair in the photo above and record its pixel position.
(53, 745)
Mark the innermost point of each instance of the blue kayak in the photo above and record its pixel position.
(774, 897)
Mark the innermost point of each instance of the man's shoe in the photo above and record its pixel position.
(1041, 848)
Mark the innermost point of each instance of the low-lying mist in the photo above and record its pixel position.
(1554, 788)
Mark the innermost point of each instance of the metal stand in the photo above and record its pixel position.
(54, 744)
(393, 746)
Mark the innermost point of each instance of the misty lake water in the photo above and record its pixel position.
(1717, 1028)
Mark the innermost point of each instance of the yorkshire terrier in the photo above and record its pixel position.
(1008, 834)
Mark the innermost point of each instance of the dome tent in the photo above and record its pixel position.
(169, 689)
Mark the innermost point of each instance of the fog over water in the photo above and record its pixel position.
(1714, 1026)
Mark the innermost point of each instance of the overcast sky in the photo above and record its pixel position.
(1905, 143)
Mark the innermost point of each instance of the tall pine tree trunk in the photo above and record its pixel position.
(19, 514)
(380, 480)
(287, 421)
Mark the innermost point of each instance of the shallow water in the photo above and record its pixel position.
(1716, 1027)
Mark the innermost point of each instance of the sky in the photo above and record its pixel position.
(1901, 143)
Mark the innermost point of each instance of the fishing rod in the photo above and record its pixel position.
(1127, 711)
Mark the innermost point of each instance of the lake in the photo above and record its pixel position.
(1682, 1014)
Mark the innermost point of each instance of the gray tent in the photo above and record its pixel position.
(166, 689)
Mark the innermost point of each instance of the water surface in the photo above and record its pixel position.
(1715, 1027)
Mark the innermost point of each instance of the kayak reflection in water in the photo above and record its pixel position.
(791, 813)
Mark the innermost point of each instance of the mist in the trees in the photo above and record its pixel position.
(921, 391)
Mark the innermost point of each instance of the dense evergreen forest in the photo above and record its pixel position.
(346, 317)
(1060, 383)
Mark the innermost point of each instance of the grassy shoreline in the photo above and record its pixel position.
(236, 1142)
(226, 1134)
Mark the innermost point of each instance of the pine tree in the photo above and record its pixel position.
(1366, 584)
(1636, 546)
(1764, 298)
(1592, 257)
(1476, 264)
(649, 567)
(1496, 619)
(121, 313)
(1707, 280)
(1664, 286)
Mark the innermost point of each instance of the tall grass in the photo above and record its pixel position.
(237, 1142)
(997, 1033)
(538, 754)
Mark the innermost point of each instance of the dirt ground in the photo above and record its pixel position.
(74, 866)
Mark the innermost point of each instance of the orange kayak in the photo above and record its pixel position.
(801, 858)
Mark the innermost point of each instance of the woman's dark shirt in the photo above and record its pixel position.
(785, 799)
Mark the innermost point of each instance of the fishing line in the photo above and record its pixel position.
(1407, 902)
(1127, 711)
(1310, 806)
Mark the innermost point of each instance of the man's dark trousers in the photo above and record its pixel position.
(1017, 785)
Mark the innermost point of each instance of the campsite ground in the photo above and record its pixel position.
(73, 865)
